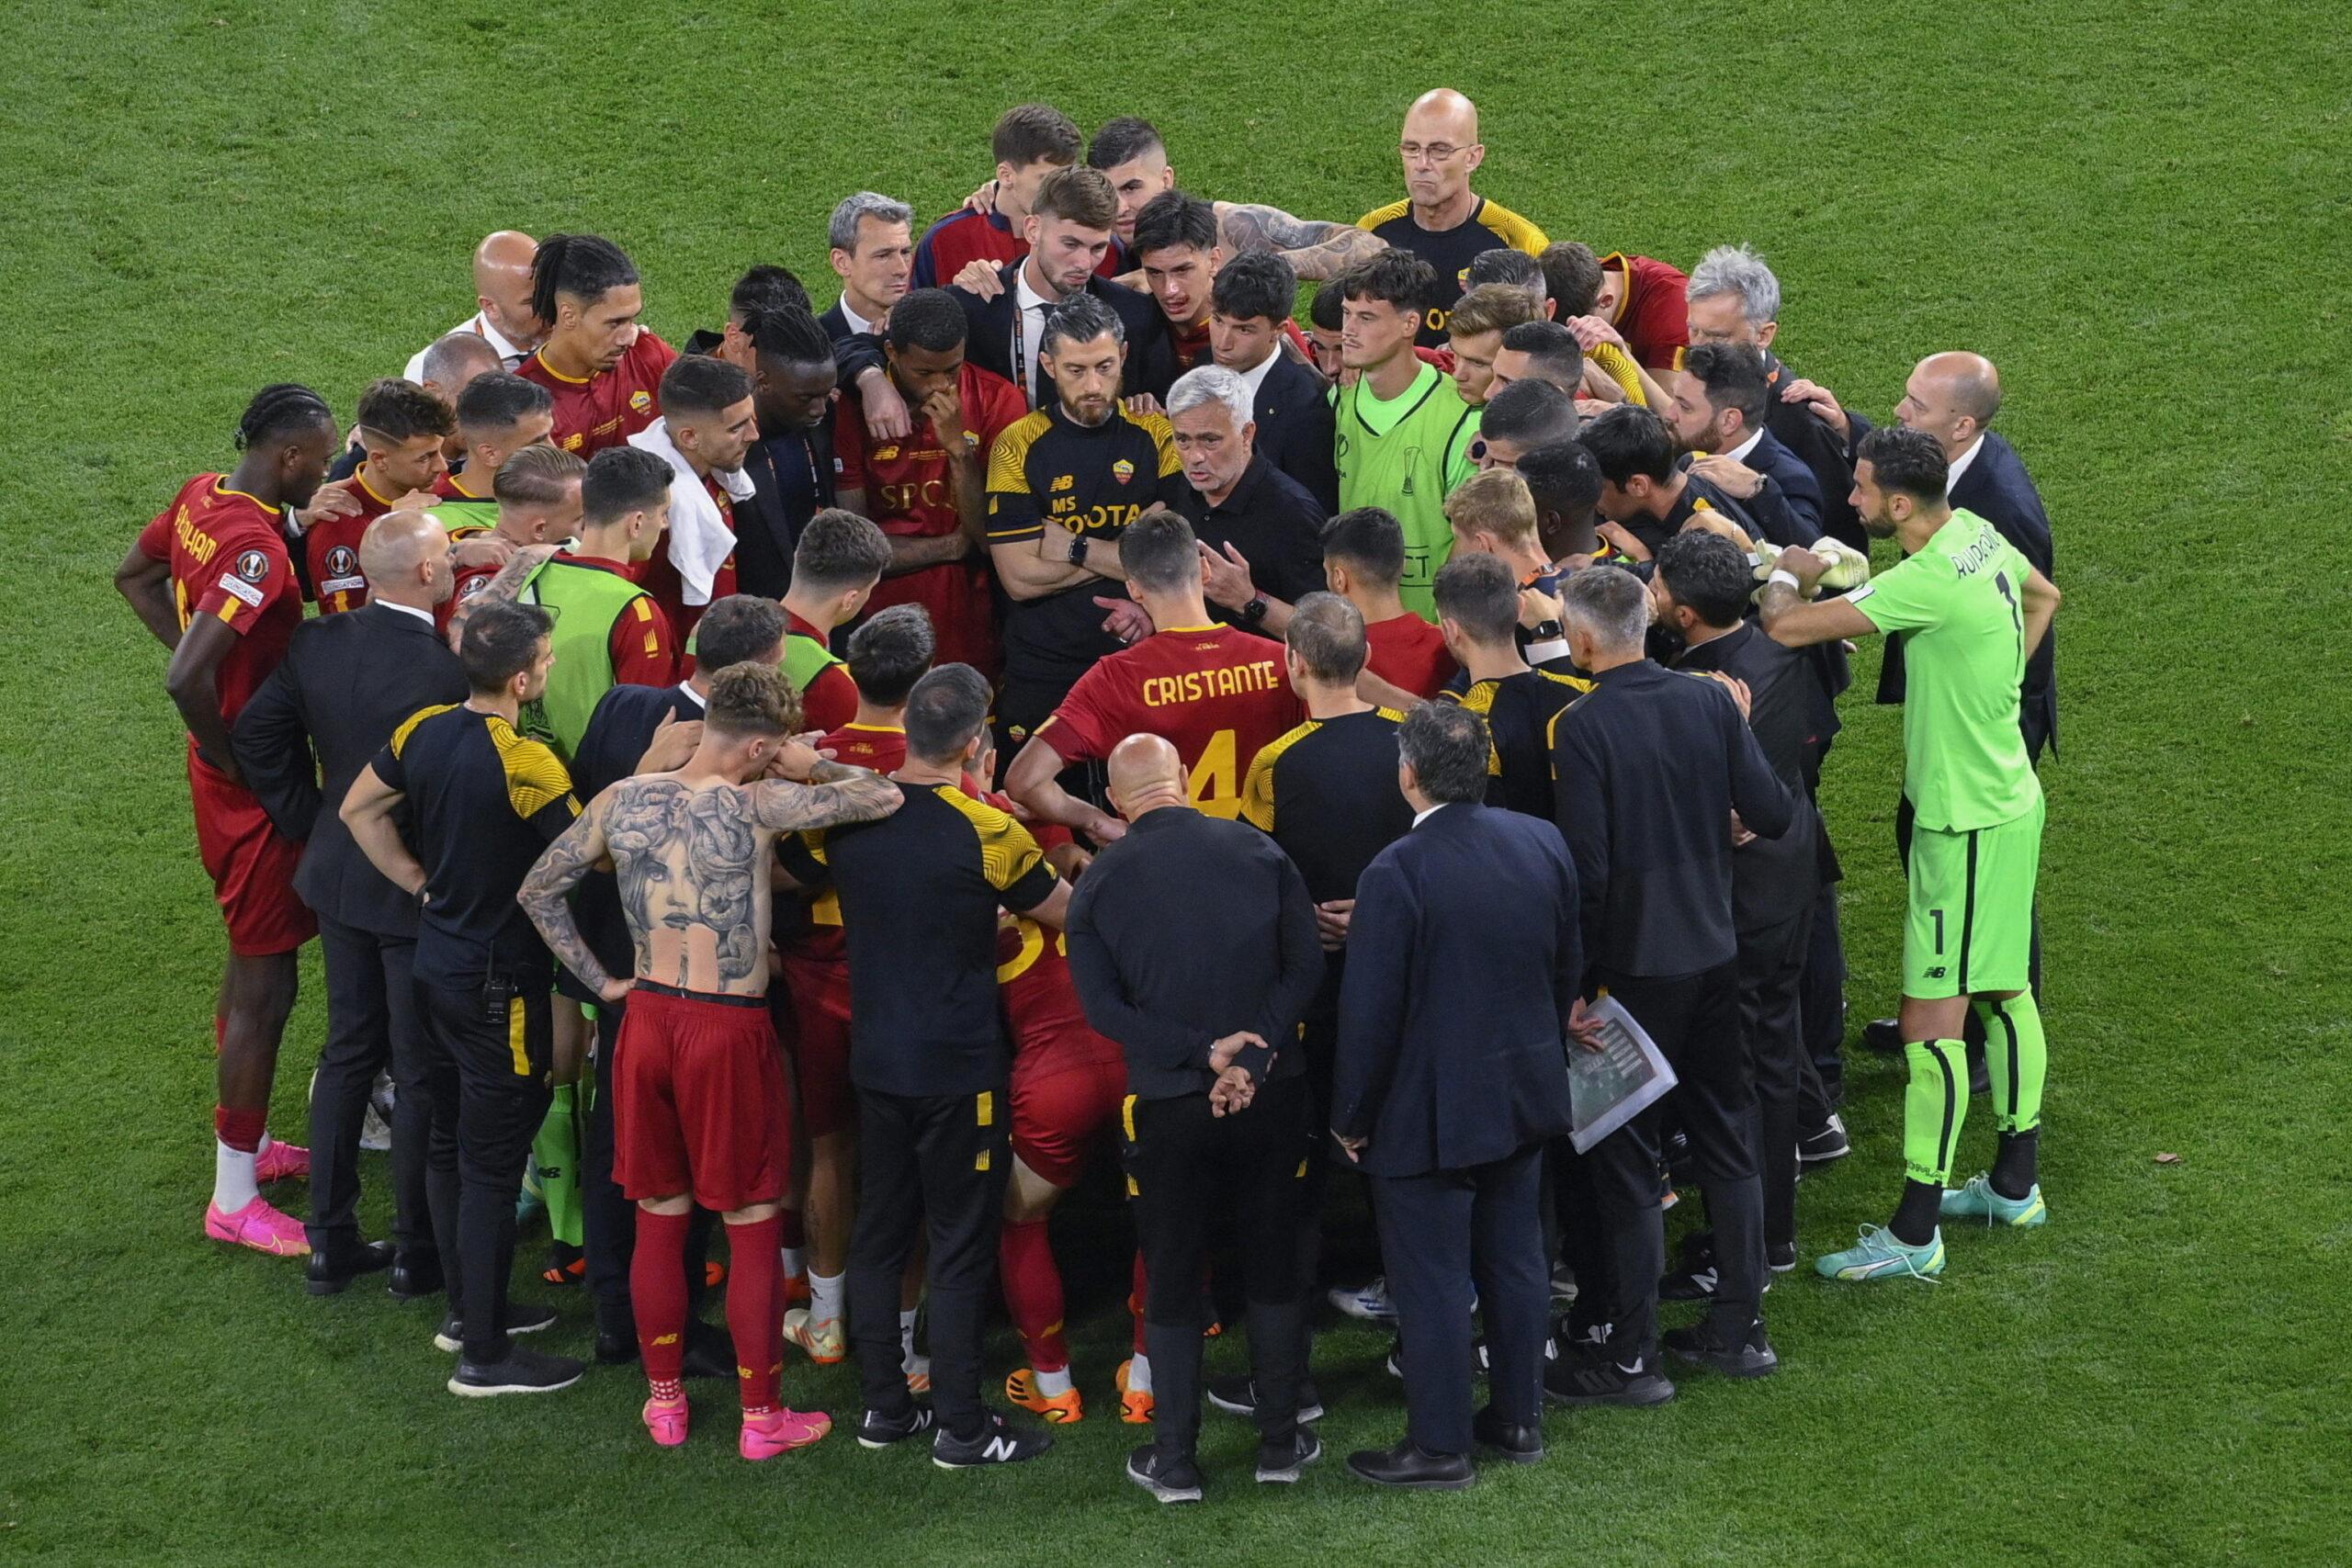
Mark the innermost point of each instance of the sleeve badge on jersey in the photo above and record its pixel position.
(640, 401)
(471, 586)
(253, 565)
(341, 561)
(1123, 470)
(233, 584)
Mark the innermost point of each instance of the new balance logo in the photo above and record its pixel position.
(999, 1451)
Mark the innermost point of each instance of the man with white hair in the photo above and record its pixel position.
(502, 315)
(873, 252)
(1734, 298)
(1244, 511)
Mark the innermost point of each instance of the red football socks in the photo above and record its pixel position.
(241, 1130)
(755, 1310)
(657, 1289)
(1033, 1292)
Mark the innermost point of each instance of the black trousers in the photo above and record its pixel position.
(1821, 994)
(371, 1024)
(1440, 1233)
(488, 1055)
(940, 1160)
(1613, 1230)
(1771, 973)
(1024, 702)
(1186, 1164)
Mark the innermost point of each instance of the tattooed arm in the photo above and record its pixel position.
(1316, 249)
(826, 795)
(498, 590)
(543, 898)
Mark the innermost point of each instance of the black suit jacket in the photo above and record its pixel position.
(1794, 487)
(1296, 430)
(1151, 353)
(346, 683)
(1774, 880)
(1464, 956)
(1997, 488)
(1808, 435)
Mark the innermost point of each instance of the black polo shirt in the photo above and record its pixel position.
(483, 802)
(1698, 495)
(1094, 480)
(1519, 710)
(1327, 792)
(1274, 522)
(919, 892)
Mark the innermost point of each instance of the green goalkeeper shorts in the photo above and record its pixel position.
(1970, 923)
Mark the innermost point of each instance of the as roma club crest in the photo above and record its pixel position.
(640, 401)
(1123, 470)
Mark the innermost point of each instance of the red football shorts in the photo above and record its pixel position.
(699, 1099)
(819, 990)
(251, 863)
(1059, 1111)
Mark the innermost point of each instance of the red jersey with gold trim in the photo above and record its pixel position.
(1408, 652)
(229, 560)
(873, 746)
(660, 578)
(610, 406)
(907, 494)
(1653, 318)
(331, 548)
(1217, 693)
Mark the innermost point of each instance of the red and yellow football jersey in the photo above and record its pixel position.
(907, 495)
(1217, 693)
(1409, 653)
(1653, 318)
(331, 548)
(229, 560)
(610, 406)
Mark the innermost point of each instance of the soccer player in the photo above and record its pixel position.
(1718, 416)
(1325, 332)
(1477, 604)
(1475, 334)
(887, 656)
(1326, 791)
(1564, 482)
(1249, 304)
(1512, 268)
(1494, 514)
(702, 1112)
(401, 427)
(794, 472)
(870, 247)
(211, 577)
(454, 810)
(1972, 609)
(1063, 483)
(604, 368)
(705, 429)
(1363, 561)
(608, 631)
(1441, 219)
(1216, 692)
(498, 415)
(1174, 240)
(538, 490)
(1519, 418)
(1029, 143)
(842, 556)
(1644, 497)
(928, 493)
(1635, 302)
(919, 892)
(1242, 509)
(1539, 350)
(1404, 433)
(502, 315)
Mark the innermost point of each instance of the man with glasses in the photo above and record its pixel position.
(1441, 219)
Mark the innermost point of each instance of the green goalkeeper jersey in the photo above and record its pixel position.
(1961, 600)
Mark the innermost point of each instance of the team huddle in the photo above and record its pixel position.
(842, 779)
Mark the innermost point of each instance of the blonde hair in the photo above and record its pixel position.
(1496, 501)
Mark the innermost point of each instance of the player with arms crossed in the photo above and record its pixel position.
(699, 1102)
(1973, 610)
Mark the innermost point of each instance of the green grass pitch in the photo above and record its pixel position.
(2139, 212)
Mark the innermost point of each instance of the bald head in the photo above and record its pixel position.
(1145, 773)
(405, 557)
(1440, 150)
(1952, 397)
(502, 285)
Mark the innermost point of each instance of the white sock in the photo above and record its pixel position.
(1140, 1375)
(824, 1297)
(262, 1147)
(233, 1178)
(1053, 1385)
(906, 1333)
(796, 1261)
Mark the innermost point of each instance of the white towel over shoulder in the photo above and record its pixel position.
(700, 541)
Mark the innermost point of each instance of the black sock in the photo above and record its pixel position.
(1916, 1216)
(2014, 1163)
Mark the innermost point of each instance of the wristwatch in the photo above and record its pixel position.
(1254, 611)
(1078, 549)
(1545, 631)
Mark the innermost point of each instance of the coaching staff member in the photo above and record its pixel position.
(1649, 768)
(1217, 1102)
(1449, 1107)
(481, 803)
(346, 683)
